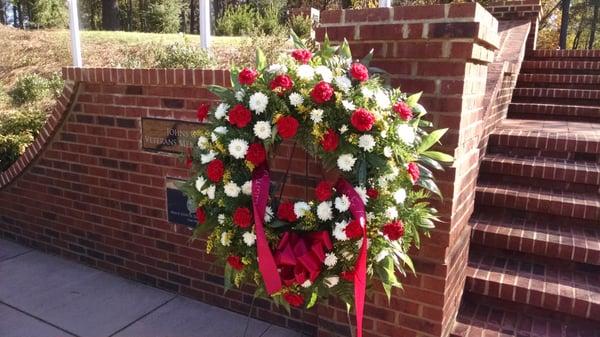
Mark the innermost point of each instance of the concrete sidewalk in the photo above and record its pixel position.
(47, 296)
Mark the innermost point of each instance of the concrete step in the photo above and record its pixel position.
(553, 66)
(557, 96)
(546, 236)
(579, 113)
(558, 81)
(520, 279)
(564, 55)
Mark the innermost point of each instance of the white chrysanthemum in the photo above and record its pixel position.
(366, 92)
(343, 83)
(325, 73)
(370, 216)
(348, 105)
(343, 129)
(200, 181)
(382, 100)
(381, 255)
(268, 214)
(277, 69)
(391, 213)
(332, 281)
(221, 218)
(210, 191)
(262, 129)
(232, 189)
(219, 130)
(330, 260)
(249, 238)
(301, 208)
(226, 238)
(247, 187)
(387, 151)
(339, 231)
(342, 203)
(400, 196)
(202, 142)
(239, 95)
(406, 133)
(306, 284)
(305, 72)
(345, 162)
(238, 148)
(362, 193)
(324, 211)
(384, 134)
(347, 255)
(221, 110)
(207, 157)
(258, 102)
(296, 99)
(316, 115)
(366, 142)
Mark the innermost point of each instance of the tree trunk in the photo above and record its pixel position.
(20, 9)
(110, 15)
(15, 16)
(192, 16)
(2, 12)
(564, 24)
(577, 38)
(594, 24)
(130, 15)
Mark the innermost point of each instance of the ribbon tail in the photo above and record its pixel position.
(266, 261)
(357, 208)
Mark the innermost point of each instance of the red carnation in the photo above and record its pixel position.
(359, 71)
(330, 141)
(287, 126)
(347, 275)
(235, 262)
(242, 217)
(403, 110)
(200, 215)
(247, 76)
(394, 230)
(214, 170)
(256, 153)
(239, 116)
(281, 83)
(302, 55)
(322, 92)
(202, 112)
(353, 230)
(285, 212)
(362, 119)
(372, 193)
(324, 190)
(293, 299)
(413, 172)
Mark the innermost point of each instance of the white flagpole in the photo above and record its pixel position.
(204, 22)
(385, 3)
(74, 28)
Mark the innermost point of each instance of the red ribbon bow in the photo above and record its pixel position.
(300, 257)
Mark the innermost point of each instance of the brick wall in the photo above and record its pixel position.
(93, 194)
(512, 10)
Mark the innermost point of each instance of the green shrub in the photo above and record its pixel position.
(181, 55)
(29, 88)
(51, 13)
(55, 84)
(17, 130)
(162, 16)
(269, 20)
(301, 25)
(238, 20)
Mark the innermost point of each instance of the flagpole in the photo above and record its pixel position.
(74, 28)
(204, 23)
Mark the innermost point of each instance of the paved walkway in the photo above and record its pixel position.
(47, 296)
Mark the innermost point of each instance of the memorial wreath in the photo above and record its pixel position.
(357, 228)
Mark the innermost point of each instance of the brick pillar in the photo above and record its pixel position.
(519, 10)
(442, 50)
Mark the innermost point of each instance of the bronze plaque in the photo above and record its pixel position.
(168, 135)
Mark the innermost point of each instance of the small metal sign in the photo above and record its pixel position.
(167, 135)
(178, 205)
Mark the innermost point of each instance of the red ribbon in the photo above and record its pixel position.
(357, 208)
(300, 257)
(260, 196)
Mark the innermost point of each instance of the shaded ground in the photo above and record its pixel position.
(44, 295)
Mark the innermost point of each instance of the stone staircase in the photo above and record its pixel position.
(534, 259)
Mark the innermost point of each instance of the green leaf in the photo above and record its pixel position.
(431, 139)
(439, 156)
(277, 224)
(430, 185)
(313, 298)
(413, 99)
(431, 163)
(367, 59)
(227, 277)
(345, 49)
(298, 43)
(222, 92)
(261, 60)
(234, 74)
(327, 50)
(406, 259)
